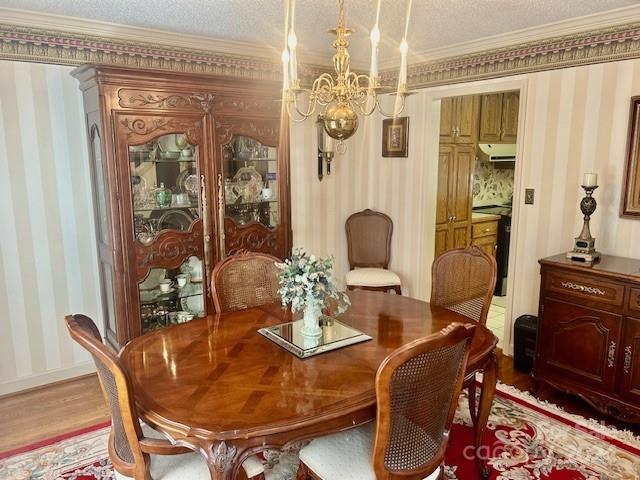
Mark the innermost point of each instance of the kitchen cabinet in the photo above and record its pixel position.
(484, 233)
(589, 332)
(186, 169)
(459, 120)
(454, 197)
(499, 117)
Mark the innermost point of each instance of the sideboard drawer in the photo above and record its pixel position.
(634, 299)
(484, 229)
(585, 287)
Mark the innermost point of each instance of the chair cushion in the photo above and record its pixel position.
(344, 455)
(371, 277)
(187, 465)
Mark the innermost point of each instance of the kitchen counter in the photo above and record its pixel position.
(477, 217)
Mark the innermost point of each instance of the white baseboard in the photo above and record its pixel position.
(51, 376)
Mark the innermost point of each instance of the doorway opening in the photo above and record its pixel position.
(475, 186)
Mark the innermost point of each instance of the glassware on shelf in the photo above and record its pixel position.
(250, 182)
(181, 301)
(162, 196)
(177, 199)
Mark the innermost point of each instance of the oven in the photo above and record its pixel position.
(504, 239)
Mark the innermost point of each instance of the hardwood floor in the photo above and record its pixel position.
(52, 410)
(65, 407)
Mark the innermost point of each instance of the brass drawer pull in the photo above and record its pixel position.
(611, 357)
(583, 288)
(627, 359)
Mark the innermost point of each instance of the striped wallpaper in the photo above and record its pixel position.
(47, 246)
(575, 121)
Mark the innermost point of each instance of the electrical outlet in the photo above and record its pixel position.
(529, 194)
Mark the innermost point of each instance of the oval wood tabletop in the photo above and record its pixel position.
(217, 378)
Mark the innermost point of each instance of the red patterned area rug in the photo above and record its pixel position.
(525, 439)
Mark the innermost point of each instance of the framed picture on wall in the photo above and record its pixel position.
(395, 137)
(631, 187)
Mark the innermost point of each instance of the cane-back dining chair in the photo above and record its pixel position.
(369, 250)
(136, 450)
(245, 280)
(463, 280)
(417, 390)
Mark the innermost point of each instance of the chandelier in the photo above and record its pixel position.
(340, 97)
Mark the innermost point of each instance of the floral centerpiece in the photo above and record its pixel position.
(306, 285)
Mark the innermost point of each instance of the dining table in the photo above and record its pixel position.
(219, 387)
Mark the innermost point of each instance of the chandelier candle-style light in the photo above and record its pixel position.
(340, 97)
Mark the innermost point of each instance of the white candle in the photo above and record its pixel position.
(285, 50)
(590, 180)
(285, 69)
(375, 40)
(404, 48)
(292, 41)
(293, 64)
(329, 144)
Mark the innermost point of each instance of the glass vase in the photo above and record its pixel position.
(162, 196)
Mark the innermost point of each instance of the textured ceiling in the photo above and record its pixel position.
(434, 23)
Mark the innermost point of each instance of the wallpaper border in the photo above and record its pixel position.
(52, 46)
(607, 44)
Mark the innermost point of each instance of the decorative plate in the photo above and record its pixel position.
(187, 181)
(156, 275)
(194, 305)
(249, 183)
(175, 220)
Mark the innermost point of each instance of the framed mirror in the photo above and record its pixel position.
(631, 187)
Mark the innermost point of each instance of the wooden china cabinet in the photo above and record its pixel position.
(186, 169)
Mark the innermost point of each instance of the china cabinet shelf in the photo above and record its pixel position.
(164, 209)
(155, 296)
(161, 161)
(243, 160)
(242, 204)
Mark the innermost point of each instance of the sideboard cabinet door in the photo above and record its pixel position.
(579, 344)
(630, 382)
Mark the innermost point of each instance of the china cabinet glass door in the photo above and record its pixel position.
(250, 172)
(166, 206)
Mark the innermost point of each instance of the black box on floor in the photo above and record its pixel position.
(524, 340)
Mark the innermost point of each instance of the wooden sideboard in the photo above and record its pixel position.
(186, 169)
(589, 332)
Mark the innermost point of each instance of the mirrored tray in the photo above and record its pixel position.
(334, 335)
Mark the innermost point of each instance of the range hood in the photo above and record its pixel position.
(497, 152)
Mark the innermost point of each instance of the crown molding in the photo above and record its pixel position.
(49, 38)
(563, 28)
(608, 44)
(35, 37)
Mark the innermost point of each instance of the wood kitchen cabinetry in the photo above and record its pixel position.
(484, 233)
(589, 332)
(459, 120)
(186, 169)
(499, 117)
(453, 207)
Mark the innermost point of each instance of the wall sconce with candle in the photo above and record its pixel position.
(326, 148)
(584, 249)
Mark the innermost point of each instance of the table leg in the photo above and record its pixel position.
(487, 393)
(221, 459)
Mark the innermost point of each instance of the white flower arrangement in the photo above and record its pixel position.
(305, 280)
